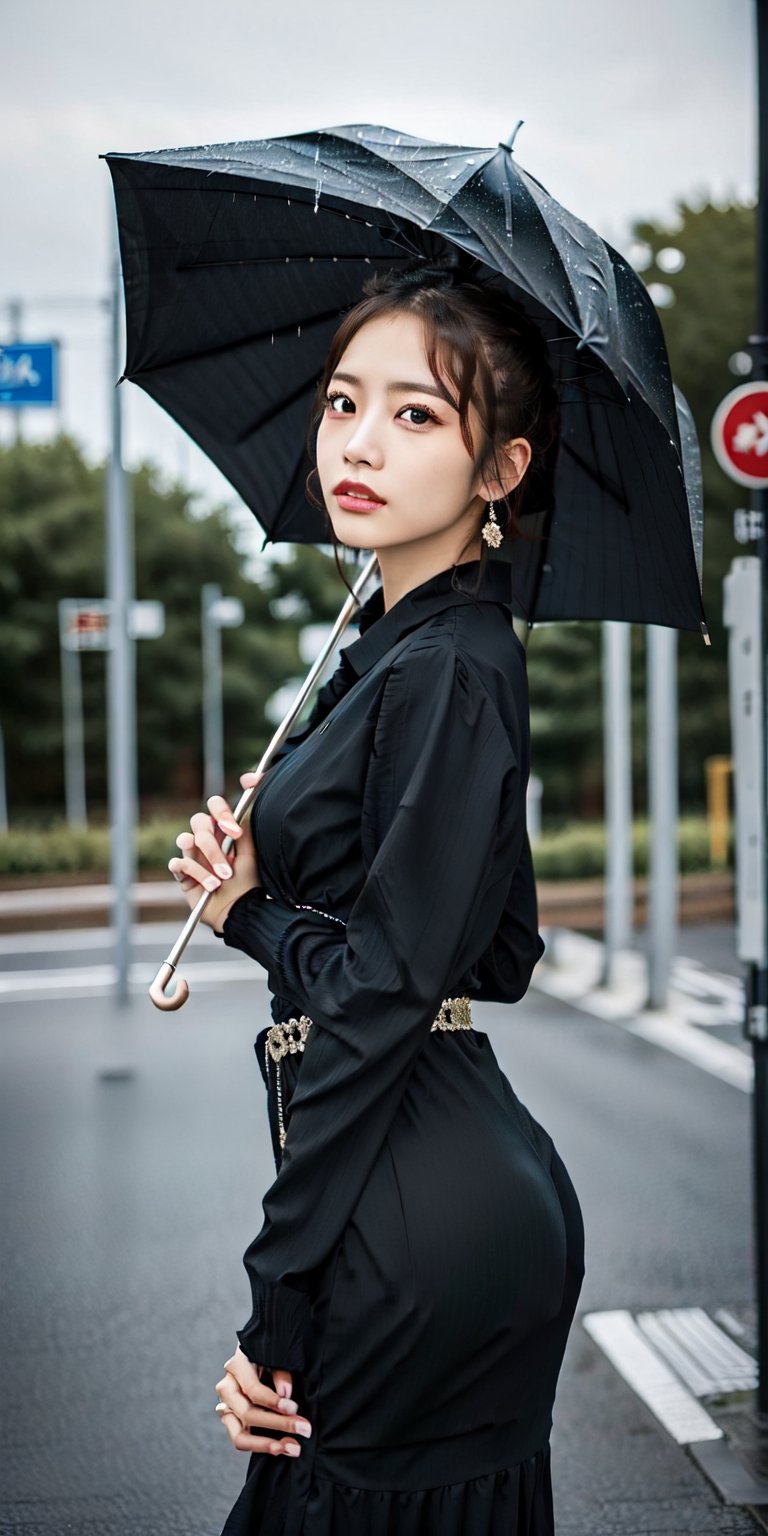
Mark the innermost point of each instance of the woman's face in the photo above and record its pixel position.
(390, 430)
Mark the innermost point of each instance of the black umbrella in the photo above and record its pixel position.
(239, 261)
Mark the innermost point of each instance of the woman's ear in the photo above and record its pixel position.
(512, 464)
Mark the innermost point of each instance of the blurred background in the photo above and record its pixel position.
(638, 119)
(137, 1143)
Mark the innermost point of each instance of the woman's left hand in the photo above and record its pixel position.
(205, 867)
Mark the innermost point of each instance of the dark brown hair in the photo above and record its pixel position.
(494, 355)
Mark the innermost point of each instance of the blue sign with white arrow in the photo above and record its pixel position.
(29, 373)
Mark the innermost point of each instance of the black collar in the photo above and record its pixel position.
(379, 630)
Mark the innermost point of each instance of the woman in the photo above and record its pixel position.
(422, 1253)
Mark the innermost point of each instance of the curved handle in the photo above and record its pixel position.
(157, 991)
(167, 972)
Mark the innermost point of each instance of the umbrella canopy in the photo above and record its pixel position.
(239, 260)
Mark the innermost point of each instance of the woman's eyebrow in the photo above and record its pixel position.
(391, 389)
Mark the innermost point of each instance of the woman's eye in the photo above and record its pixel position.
(331, 399)
(421, 410)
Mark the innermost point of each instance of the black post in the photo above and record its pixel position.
(757, 976)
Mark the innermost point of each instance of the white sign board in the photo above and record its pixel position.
(742, 618)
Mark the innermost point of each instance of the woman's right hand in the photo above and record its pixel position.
(247, 1401)
(205, 867)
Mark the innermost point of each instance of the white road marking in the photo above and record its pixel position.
(649, 1376)
(702, 1354)
(572, 973)
(714, 1056)
(70, 939)
(31, 986)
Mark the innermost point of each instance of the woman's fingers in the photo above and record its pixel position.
(256, 1408)
(248, 780)
(283, 1384)
(192, 866)
(222, 812)
(243, 1440)
(204, 829)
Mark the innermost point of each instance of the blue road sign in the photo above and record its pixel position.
(29, 373)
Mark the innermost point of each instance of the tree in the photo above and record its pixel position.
(52, 546)
(711, 315)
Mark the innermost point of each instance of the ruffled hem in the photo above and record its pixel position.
(516, 1501)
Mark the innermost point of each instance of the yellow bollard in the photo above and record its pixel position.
(718, 807)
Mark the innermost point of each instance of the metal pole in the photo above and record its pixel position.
(662, 809)
(756, 1022)
(213, 707)
(74, 745)
(121, 704)
(15, 317)
(618, 794)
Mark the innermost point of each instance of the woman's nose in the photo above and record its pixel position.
(363, 446)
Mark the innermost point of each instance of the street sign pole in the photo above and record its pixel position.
(72, 711)
(740, 442)
(121, 702)
(618, 920)
(661, 735)
(216, 613)
(213, 722)
(757, 979)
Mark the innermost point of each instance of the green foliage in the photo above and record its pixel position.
(574, 853)
(711, 318)
(60, 849)
(578, 852)
(52, 546)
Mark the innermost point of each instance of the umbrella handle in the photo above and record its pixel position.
(167, 972)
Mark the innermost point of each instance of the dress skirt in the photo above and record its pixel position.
(439, 1324)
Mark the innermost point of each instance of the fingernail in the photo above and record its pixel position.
(292, 1450)
(224, 870)
(230, 826)
(283, 1389)
(212, 883)
(303, 1428)
(287, 1405)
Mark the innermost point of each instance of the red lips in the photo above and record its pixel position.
(356, 488)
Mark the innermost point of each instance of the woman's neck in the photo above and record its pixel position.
(403, 568)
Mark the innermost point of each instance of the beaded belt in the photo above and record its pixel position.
(454, 1013)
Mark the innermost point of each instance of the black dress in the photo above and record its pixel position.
(422, 1250)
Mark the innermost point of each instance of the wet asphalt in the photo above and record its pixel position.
(134, 1155)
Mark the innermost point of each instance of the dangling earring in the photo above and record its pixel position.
(491, 531)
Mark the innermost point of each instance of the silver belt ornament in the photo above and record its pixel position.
(291, 1035)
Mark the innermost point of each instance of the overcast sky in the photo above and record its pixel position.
(627, 107)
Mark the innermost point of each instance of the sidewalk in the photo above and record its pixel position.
(576, 904)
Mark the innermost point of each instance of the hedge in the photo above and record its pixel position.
(574, 853)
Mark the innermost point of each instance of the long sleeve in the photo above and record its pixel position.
(443, 819)
(503, 973)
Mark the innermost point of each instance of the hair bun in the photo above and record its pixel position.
(427, 274)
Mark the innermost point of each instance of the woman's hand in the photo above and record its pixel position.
(205, 867)
(246, 1402)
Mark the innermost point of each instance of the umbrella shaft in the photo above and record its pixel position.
(166, 973)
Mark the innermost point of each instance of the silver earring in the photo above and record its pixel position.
(491, 531)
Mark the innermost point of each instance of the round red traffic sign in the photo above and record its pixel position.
(740, 434)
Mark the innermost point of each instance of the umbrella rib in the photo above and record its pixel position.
(287, 497)
(264, 421)
(228, 347)
(280, 261)
(604, 483)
